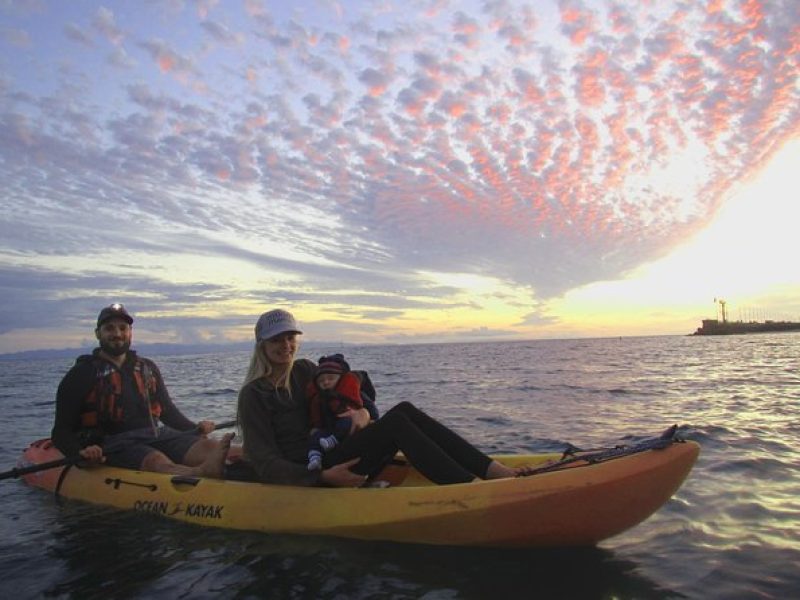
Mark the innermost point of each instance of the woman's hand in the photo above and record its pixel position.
(341, 476)
(359, 417)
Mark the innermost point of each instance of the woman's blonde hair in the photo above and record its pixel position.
(261, 367)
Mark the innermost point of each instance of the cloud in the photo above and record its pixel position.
(76, 34)
(34, 298)
(105, 23)
(167, 59)
(15, 37)
(23, 7)
(375, 80)
(204, 7)
(548, 146)
(221, 34)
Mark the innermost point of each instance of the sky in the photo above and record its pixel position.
(396, 172)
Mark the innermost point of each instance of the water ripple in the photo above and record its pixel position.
(730, 532)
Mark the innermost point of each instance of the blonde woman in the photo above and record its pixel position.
(273, 412)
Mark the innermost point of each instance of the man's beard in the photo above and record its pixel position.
(115, 350)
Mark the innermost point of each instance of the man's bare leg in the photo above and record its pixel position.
(214, 464)
(206, 458)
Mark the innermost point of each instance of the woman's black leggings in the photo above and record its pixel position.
(438, 453)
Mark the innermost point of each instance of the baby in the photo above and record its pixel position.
(334, 391)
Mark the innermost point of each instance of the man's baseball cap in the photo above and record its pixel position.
(114, 311)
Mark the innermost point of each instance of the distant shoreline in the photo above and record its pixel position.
(145, 349)
(167, 349)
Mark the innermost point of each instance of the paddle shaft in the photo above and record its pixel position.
(600, 455)
(71, 460)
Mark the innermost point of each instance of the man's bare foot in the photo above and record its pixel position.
(214, 465)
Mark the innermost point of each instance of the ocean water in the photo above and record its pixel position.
(732, 530)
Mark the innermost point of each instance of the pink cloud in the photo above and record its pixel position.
(255, 8)
(466, 31)
(590, 88)
(621, 20)
(376, 81)
(204, 7)
(528, 87)
(167, 59)
(577, 24)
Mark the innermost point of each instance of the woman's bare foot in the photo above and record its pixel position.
(498, 470)
(214, 465)
(526, 470)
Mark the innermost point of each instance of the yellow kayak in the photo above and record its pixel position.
(577, 502)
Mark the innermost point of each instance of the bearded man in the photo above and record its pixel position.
(113, 407)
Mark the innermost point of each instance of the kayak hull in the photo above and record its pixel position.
(570, 507)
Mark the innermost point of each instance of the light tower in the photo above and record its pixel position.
(722, 309)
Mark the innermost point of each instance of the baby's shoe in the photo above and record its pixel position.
(328, 443)
(314, 460)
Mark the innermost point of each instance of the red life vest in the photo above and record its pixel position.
(346, 394)
(103, 402)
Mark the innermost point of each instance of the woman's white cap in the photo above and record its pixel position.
(275, 322)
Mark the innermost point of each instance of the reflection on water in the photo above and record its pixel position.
(102, 552)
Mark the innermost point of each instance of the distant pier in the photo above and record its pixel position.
(725, 327)
(717, 327)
